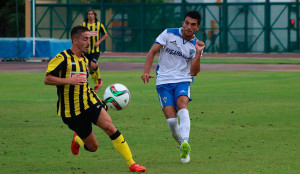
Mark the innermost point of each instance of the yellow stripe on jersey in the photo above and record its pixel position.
(77, 90)
(54, 62)
(94, 38)
(72, 99)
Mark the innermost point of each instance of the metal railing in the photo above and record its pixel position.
(225, 27)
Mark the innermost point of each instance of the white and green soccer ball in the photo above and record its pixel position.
(116, 96)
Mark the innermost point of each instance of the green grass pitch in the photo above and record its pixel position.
(241, 122)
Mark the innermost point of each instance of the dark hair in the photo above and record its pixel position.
(194, 15)
(86, 15)
(77, 31)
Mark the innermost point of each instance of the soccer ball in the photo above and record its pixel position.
(116, 96)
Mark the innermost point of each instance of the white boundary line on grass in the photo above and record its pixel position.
(249, 82)
(38, 100)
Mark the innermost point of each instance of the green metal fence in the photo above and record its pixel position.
(225, 27)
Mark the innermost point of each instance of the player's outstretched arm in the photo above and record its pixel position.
(148, 63)
(195, 67)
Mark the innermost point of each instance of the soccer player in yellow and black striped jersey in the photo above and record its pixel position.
(93, 54)
(78, 105)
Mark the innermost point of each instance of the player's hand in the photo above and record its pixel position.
(199, 46)
(78, 80)
(97, 44)
(145, 77)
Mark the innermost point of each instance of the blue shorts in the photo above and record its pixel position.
(168, 93)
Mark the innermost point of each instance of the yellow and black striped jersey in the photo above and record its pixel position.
(95, 28)
(72, 99)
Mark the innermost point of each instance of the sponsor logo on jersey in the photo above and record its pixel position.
(73, 74)
(176, 53)
(94, 33)
(174, 43)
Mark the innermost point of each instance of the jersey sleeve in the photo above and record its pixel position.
(55, 65)
(102, 30)
(162, 38)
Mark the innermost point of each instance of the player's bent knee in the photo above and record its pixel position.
(182, 103)
(182, 107)
(93, 66)
(93, 147)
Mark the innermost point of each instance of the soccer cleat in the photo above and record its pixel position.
(185, 152)
(74, 145)
(135, 167)
(185, 160)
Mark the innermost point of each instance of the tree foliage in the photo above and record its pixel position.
(9, 16)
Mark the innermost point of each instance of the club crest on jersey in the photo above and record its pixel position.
(192, 51)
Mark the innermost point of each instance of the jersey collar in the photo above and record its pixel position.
(193, 41)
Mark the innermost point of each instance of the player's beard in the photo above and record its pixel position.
(188, 33)
(84, 49)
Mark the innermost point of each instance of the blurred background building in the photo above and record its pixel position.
(227, 25)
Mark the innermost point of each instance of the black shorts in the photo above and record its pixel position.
(93, 57)
(82, 124)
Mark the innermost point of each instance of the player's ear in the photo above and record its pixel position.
(74, 40)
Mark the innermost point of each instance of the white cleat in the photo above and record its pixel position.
(185, 160)
(185, 152)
